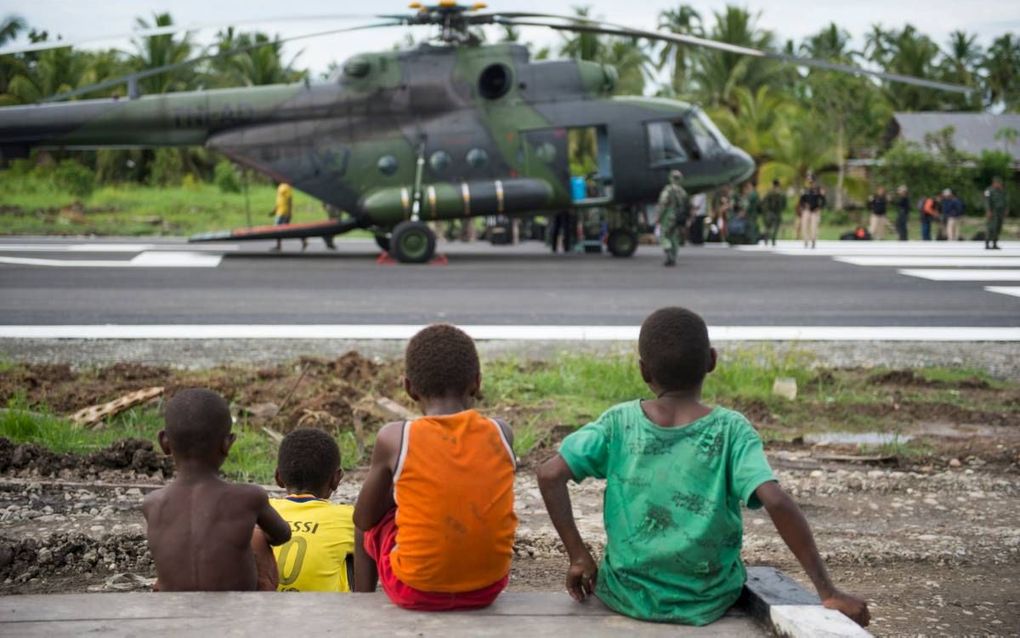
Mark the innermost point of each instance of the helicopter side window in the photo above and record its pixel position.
(477, 158)
(664, 146)
(440, 161)
(387, 165)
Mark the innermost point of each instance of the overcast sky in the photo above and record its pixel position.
(795, 19)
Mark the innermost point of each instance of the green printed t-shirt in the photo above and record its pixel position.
(671, 510)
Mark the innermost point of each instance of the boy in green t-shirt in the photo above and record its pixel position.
(677, 473)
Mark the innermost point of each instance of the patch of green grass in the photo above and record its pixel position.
(131, 209)
(528, 436)
(900, 448)
(957, 375)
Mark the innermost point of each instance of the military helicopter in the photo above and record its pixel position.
(448, 130)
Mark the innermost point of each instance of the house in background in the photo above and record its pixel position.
(972, 132)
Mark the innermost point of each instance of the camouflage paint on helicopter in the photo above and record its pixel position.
(489, 127)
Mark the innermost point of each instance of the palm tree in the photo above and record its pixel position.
(761, 118)
(53, 71)
(632, 64)
(683, 21)
(1002, 68)
(960, 63)
(717, 73)
(10, 27)
(583, 46)
(162, 50)
(832, 97)
(801, 148)
(876, 44)
(259, 64)
(912, 53)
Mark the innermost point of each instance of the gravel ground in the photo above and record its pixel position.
(934, 551)
(999, 359)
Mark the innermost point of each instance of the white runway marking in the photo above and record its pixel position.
(962, 274)
(504, 333)
(112, 248)
(831, 248)
(1013, 291)
(155, 259)
(933, 262)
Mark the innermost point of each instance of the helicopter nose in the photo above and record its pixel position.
(742, 163)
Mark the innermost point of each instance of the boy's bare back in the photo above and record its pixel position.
(200, 532)
(200, 526)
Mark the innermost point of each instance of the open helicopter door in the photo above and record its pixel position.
(577, 159)
(591, 167)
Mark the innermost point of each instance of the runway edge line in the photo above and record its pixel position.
(383, 332)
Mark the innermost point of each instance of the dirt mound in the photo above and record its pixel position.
(134, 456)
(26, 559)
(312, 389)
(910, 378)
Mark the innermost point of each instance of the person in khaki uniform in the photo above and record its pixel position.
(812, 200)
(878, 204)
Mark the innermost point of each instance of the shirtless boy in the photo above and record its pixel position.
(200, 526)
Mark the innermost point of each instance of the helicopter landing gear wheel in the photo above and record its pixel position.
(383, 242)
(622, 243)
(413, 242)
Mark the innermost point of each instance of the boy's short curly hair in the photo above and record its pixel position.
(441, 360)
(674, 347)
(197, 420)
(307, 460)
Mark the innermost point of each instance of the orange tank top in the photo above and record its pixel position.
(454, 489)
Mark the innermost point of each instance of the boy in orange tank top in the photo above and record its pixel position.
(435, 516)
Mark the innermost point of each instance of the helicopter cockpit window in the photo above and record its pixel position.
(495, 81)
(387, 165)
(664, 146)
(440, 161)
(706, 136)
(477, 158)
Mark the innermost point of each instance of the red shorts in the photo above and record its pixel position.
(380, 541)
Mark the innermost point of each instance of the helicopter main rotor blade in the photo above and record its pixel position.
(580, 24)
(140, 75)
(170, 30)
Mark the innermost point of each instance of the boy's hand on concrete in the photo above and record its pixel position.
(581, 577)
(851, 606)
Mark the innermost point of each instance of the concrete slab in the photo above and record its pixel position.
(772, 602)
(533, 615)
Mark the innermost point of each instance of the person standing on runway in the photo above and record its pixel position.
(878, 205)
(774, 205)
(902, 211)
(996, 207)
(282, 211)
(674, 206)
(699, 212)
(952, 209)
(812, 200)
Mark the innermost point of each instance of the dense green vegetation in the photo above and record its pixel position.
(791, 122)
(545, 400)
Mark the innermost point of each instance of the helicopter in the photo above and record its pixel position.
(453, 129)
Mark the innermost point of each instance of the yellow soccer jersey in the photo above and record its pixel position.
(322, 537)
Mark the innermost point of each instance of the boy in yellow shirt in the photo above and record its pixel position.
(319, 555)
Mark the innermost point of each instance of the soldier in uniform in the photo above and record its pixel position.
(752, 208)
(995, 207)
(774, 205)
(673, 209)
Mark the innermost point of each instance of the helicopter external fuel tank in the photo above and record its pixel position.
(450, 201)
